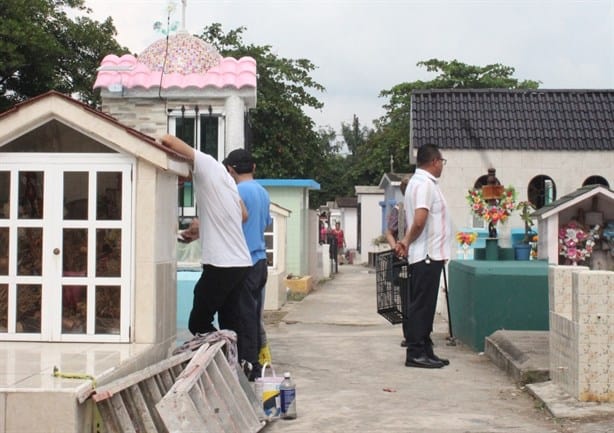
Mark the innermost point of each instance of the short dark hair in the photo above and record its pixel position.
(427, 153)
(240, 160)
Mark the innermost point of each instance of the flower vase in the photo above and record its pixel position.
(465, 249)
(522, 251)
(492, 249)
(492, 230)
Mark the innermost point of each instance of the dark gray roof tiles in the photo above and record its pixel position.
(568, 197)
(346, 201)
(508, 119)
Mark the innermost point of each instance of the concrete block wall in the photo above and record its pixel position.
(593, 311)
(563, 346)
(582, 345)
(147, 116)
(559, 288)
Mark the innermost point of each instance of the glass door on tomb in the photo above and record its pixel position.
(65, 249)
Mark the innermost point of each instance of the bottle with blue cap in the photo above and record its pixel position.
(287, 392)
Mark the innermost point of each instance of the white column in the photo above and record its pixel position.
(235, 139)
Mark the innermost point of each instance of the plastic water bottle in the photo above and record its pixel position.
(287, 391)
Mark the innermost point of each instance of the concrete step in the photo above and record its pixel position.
(523, 355)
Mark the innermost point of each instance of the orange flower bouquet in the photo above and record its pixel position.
(465, 238)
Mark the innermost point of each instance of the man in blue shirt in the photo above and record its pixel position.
(241, 167)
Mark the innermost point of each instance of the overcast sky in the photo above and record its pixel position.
(361, 47)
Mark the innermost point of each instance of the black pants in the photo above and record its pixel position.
(217, 290)
(424, 284)
(250, 304)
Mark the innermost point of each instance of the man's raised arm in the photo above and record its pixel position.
(178, 145)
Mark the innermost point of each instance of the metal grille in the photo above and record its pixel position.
(392, 278)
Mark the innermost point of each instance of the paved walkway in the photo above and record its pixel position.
(350, 374)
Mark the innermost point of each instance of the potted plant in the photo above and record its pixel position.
(522, 250)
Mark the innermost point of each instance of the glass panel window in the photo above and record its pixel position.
(29, 308)
(269, 241)
(199, 128)
(31, 194)
(108, 252)
(30, 251)
(209, 135)
(477, 222)
(186, 195)
(109, 196)
(74, 309)
(56, 137)
(184, 129)
(75, 195)
(4, 250)
(5, 190)
(108, 306)
(74, 253)
(4, 307)
(541, 191)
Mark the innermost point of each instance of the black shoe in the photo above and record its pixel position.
(403, 343)
(423, 362)
(444, 361)
(431, 354)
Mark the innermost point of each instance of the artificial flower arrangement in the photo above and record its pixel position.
(465, 238)
(575, 243)
(492, 211)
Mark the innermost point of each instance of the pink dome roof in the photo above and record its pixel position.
(131, 73)
(187, 54)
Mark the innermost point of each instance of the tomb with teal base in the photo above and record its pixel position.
(488, 295)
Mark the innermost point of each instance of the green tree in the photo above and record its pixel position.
(285, 144)
(391, 135)
(42, 48)
(333, 172)
(354, 135)
(454, 75)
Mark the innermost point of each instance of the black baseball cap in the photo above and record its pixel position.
(240, 160)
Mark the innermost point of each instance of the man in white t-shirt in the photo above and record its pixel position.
(426, 245)
(225, 256)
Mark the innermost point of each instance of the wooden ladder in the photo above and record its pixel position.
(208, 397)
(134, 403)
